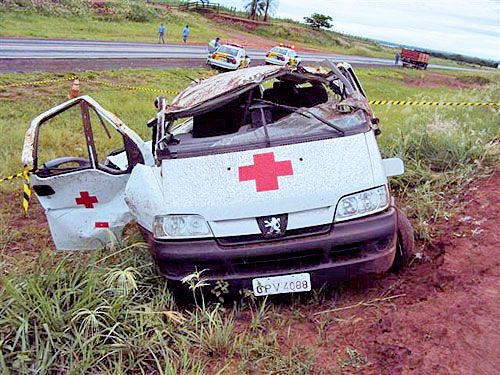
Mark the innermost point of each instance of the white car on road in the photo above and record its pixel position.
(283, 55)
(229, 56)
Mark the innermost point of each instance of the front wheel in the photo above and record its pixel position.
(405, 249)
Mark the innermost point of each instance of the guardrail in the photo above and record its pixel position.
(201, 6)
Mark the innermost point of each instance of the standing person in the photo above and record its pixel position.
(161, 34)
(185, 33)
(396, 58)
(213, 45)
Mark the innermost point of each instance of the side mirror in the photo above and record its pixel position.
(393, 167)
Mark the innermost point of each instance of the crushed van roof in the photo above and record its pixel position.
(207, 89)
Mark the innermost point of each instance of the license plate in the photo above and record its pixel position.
(299, 282)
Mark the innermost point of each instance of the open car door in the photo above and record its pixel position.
(81, 156)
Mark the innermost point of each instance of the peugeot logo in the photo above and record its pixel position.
(273, 226)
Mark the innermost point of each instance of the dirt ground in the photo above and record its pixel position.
(429, 79)
(80, 65)
(439, 316)
(444, 316)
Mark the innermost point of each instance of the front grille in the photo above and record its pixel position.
(296, 261)
(289, 234)
(271, 263)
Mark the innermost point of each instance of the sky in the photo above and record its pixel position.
(468, 27)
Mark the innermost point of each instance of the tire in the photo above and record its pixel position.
(405, 249)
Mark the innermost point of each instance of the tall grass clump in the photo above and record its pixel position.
(50, 7)
(109, 312)
(444, 151)
(81, 314)
(116, 10)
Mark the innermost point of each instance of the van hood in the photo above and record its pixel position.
(303, 180)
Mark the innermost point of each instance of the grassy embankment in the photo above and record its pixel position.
(28, 24)
(117, 27)
(89, 26)
(110, 312)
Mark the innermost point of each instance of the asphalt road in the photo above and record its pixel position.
(30, 49)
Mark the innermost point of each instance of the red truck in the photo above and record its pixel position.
(414, 59)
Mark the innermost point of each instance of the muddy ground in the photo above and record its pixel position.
(439, 316)
(81, 65)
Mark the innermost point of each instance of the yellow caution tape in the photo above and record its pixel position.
(160, 91)
(38, 83)
(26, 190)
(25, 175)
(136, 88)
(14, 176)
(426, 103)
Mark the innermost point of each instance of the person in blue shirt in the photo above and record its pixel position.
(185, 33)
(161, 34)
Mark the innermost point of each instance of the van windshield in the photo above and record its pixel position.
(297, 127)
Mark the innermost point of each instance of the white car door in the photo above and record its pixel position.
(81, 156)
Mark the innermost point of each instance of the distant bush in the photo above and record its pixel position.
(318, 21)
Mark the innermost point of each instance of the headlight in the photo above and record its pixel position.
(362, 204)
(180, 226)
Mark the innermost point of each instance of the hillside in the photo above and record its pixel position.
(138, 21)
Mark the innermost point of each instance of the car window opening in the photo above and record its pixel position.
(287, 110)
(228, 50)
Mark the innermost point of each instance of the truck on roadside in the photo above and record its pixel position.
(414, 59)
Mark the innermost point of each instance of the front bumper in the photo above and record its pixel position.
(362, 246)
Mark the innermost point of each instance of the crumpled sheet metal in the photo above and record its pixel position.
(355, 101)
(27, 155)
(200, 92)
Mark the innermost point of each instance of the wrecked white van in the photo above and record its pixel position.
(269, 178)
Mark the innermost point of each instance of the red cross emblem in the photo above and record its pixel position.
(265, 171)
(86, 199)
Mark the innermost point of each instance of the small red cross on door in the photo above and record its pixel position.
(86, 199)
(265, 171)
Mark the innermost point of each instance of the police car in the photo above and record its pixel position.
(283, 55)
(229, 56)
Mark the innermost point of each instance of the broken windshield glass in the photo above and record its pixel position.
(297, 126)
(294, 128)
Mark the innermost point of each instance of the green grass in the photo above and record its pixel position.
(327, 41)
(443, 147)
(116, 27)
(109, 312)
(34, 25)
